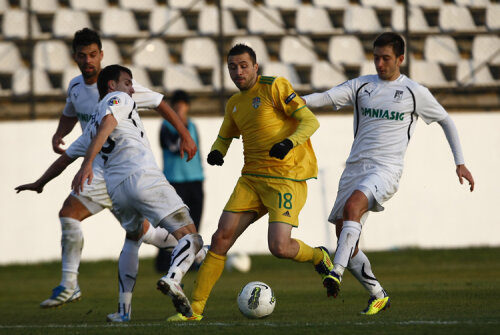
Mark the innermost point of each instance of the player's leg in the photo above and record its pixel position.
(70, 216)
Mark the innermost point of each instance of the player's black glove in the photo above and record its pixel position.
(279, 150)
(215, 158)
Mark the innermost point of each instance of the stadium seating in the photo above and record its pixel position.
(492, 17)
(367, 67)
(486, 48)
(51, 55)
(454, 18)
(442, 49)
(471, 72)
(200, 52)
(140, 75)
(325, 75)
(168, 22)
(91, 6)
(44, 6)
(118, 22)
(182, 77)
(346, 50)
(428, 4)
(186, 4)
(15, 24)
(228, 83)
(282, 4)
(41, 82)
(331, 4)
(134, 5)
(416, 21)
(386, 4)
(359, 19)
(4, 5)
(313, 20)
(473, 3)
(279, 69)
(267, 21)
(208, 22)
(297, 50)
(69, 73)
(67, 21)
(428, 74)
(10, 57)
(111, 52)
(236, 4)
(151, 54)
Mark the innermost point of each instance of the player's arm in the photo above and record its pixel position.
(108, 124)
(187, 143)
(54, 170)
(453, 140)
(227, 132)
(65, 126)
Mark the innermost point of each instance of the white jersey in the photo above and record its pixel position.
(127, 149)
(385, 115)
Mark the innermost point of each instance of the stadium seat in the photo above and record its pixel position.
(386, 4)
(331, 4)
(484, 47)
(416, 21)
(151, 54)
(257, 44)
(297, 50)
(10, 57)
(68, 74)
(280, 69)
(236, 4)
(428, 74)
(476, 73)
(41, 82)
(282, 4)
(208, 21)
(346, 50)
(141, 76)
(359, 19)
(229, 85)
(441, 49)
(492, 17)
(91, 6)
(315, 20)
(427, 4)
(118, 22)
(67, 21)
(168, 21)
(325, 75)
(182, 77)
(44, 6)
(455, 18)
(185, 4)
(200, 52)
(15, 24)
(473, 3)
(111, 53)
(51, 56)
(4, 5)
(367, 67)
(269, 23)
(139, 6)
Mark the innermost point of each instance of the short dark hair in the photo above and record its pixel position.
(392, 39)
(110, 72)
(240, 49)
(86, 37)
(180, 95)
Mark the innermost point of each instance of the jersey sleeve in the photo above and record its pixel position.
(342, 95)
(120, 105)
(79, 147)
(285, 98)
(228, 130)
(427, 107)
(144, 97)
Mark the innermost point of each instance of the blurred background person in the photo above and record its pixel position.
(186, 177)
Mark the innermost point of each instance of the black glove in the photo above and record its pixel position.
(279, 150)
(215, 158)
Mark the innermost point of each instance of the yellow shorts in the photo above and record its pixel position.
(283, 199)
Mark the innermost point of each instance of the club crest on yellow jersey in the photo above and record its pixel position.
(256, 102)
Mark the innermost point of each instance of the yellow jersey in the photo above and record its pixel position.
(263, 116)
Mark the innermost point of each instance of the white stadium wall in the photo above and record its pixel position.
(431, 209)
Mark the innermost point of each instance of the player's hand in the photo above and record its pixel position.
(30, 187)
(463, 172)
(279, 150)
(188, 146)
(84, 174)
(57, 141)
(215, 158)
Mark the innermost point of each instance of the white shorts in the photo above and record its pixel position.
(145, 195)
(95, 196)
(382, 184)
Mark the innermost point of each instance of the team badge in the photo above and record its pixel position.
(256, 102)
(113, 101)
(398, 96)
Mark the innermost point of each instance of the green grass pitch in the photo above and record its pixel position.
(432, 292)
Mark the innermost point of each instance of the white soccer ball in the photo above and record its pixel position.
(256, 300)
(240, 262)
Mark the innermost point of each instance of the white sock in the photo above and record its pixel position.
(346, 245)
(128, 267)
(71, 244)
(361, 268)
(200, 256)
(183, 256)
(159, 237)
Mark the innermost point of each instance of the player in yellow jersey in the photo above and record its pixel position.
(275, 126)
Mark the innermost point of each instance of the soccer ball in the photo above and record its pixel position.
(256, 300)
(240, 262)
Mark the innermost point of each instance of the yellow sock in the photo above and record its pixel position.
(306, 253)
(208, 274)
